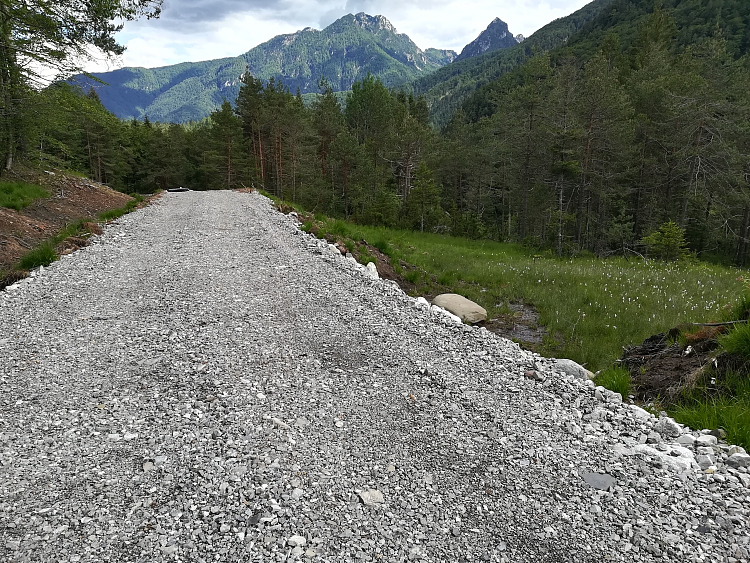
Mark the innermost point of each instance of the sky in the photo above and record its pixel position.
(199, 30)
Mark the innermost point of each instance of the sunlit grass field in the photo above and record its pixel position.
(591, 307)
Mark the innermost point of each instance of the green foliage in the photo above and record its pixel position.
(737, 341)
(43, 255)
(117, 213)
(667, 243)
(615, 379)
(726, 405)
(17, 195)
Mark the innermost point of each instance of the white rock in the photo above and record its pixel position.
(371, 497)
(372, 270)
(569, 367)
(296, 541)
(639, 413)
(706, 440)
(686, 440)
(667, 426)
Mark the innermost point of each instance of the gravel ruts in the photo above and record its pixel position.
(208, 383)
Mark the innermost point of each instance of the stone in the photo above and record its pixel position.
(463, 308)
(569, 367)
(640, 413)
(705, 461)
(371, 497)
(533, 374)
(372, 270)
(667, 427)
(686, 440)
(280, 423)
(296, 541)
(738, 460)
(706, 440)
(600, 481)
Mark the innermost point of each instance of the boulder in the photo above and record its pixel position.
(464, 309)
(570, 367)
(372, 270)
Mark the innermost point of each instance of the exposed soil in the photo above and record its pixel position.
(71, 199)
(667, 364)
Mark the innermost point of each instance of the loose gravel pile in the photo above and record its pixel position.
(208, 383)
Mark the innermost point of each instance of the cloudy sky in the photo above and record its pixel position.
(197, 30)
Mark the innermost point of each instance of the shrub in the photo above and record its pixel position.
(667, 243)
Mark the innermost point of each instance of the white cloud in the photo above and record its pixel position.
(197, 30)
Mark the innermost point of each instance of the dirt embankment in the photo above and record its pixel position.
(71, 198)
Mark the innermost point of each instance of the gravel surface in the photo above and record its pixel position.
(208, 383)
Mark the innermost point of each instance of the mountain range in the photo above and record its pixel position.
(345, 52)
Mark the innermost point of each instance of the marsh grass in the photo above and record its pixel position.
(18, 195)
(615, 379)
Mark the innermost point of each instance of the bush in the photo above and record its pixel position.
(667, 243)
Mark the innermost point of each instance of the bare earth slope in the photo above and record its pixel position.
(207, 383)
(71, 198)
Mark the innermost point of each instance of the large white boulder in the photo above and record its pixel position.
(464, 309)
(572, 368)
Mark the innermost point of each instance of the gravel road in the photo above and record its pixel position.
(207, 383)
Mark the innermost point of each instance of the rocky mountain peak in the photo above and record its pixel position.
(373, 23)
(496, 36)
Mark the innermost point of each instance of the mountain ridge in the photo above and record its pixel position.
(342, 53)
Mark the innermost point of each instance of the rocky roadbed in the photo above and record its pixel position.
(206, 382)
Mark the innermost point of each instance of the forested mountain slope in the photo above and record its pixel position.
(342, 54)
(618, 27)
(447, 88)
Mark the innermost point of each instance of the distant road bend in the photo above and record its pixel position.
(206, 383)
